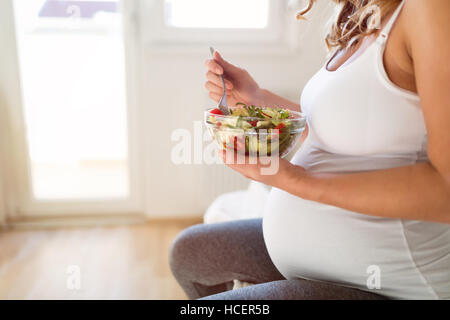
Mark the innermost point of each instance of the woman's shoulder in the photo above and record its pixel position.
(425, 27)
(419, 17)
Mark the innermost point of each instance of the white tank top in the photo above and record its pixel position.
(359, 121)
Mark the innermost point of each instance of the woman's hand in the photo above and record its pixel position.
(241, 87)
(272, 171)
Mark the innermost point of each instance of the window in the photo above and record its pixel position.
(234, 14)
(172, 22)
(72, 71)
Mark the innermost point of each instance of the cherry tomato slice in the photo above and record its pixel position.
(280, 127)
(216, 111)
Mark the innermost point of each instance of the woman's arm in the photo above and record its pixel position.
(270, 99)
(417, 192)
(241, 87)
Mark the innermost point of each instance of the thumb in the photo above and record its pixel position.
(228, 67)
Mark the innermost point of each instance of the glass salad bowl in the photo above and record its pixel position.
(256, 131)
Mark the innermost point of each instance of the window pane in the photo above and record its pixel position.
(247, 14)
(73, 81)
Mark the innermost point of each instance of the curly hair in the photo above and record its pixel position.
(353, 20)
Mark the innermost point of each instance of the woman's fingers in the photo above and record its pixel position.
(214, 83)
(218, 57)
(216, 96)
(214, 78)
(211, 87)
(228, 67)
(213, 66)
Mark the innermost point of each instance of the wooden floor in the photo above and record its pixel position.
(127, 262)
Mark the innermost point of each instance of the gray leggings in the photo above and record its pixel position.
(205, 259)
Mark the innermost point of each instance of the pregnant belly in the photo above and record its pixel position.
(310, 240)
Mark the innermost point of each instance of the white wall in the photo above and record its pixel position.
(174, 82)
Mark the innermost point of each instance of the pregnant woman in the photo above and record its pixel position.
(363, 209)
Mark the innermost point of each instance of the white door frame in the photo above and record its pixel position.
(12, 127)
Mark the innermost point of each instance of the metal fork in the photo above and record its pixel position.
(222, 106)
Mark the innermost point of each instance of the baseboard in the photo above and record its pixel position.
(74, 221)
(89, 221)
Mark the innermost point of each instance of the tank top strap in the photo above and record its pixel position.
(387, 29)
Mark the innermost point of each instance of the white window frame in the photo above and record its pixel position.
(156, 34)
(25, 204)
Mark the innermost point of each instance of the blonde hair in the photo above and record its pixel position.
(353, 20)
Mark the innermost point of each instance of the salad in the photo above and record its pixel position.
(255, 130)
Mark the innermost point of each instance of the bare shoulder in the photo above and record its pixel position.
(419, 46)
(427, 19)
